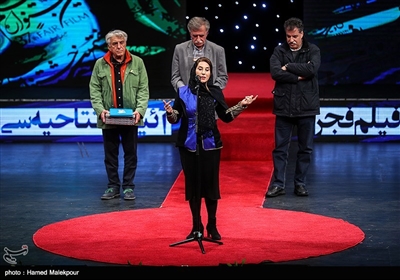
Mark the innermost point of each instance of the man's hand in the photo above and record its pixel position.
(103, 115)
(136, 116)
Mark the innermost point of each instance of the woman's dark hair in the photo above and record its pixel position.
(192, 80)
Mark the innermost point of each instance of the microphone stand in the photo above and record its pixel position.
(197, 235)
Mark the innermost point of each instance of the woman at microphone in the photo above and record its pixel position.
(198, 105)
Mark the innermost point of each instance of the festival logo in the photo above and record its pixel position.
(10, 255)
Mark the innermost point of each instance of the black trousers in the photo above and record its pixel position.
(283, 133)
(112, 138)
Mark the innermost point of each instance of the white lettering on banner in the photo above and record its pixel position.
(332, 121)
(72, 122)
(365, 121)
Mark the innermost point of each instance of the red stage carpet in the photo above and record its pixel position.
(250, 234)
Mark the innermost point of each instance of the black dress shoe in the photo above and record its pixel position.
(275, 191)
(300, 190)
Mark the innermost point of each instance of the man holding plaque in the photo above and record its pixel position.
(119, 80)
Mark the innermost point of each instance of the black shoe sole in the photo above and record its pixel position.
(130, 198)
(109, 197)
(300, 194)
(276, 194)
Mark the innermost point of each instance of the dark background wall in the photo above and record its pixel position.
(248, 30)
(47, 49)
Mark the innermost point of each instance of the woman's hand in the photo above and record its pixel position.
(248, 100)
(168, 107)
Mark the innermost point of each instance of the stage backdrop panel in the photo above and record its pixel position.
(48, 48)
(358, 53)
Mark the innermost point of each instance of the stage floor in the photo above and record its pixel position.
(42, 183)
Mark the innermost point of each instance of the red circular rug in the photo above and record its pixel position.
(250, 236)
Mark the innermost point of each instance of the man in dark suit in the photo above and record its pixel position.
(186, 53)
(294, 67)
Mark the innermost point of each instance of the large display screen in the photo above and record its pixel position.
(48, 48)
(71, 121)
(357, 41)
(76, 121)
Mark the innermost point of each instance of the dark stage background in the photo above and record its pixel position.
(48, 48)
(51, 46)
